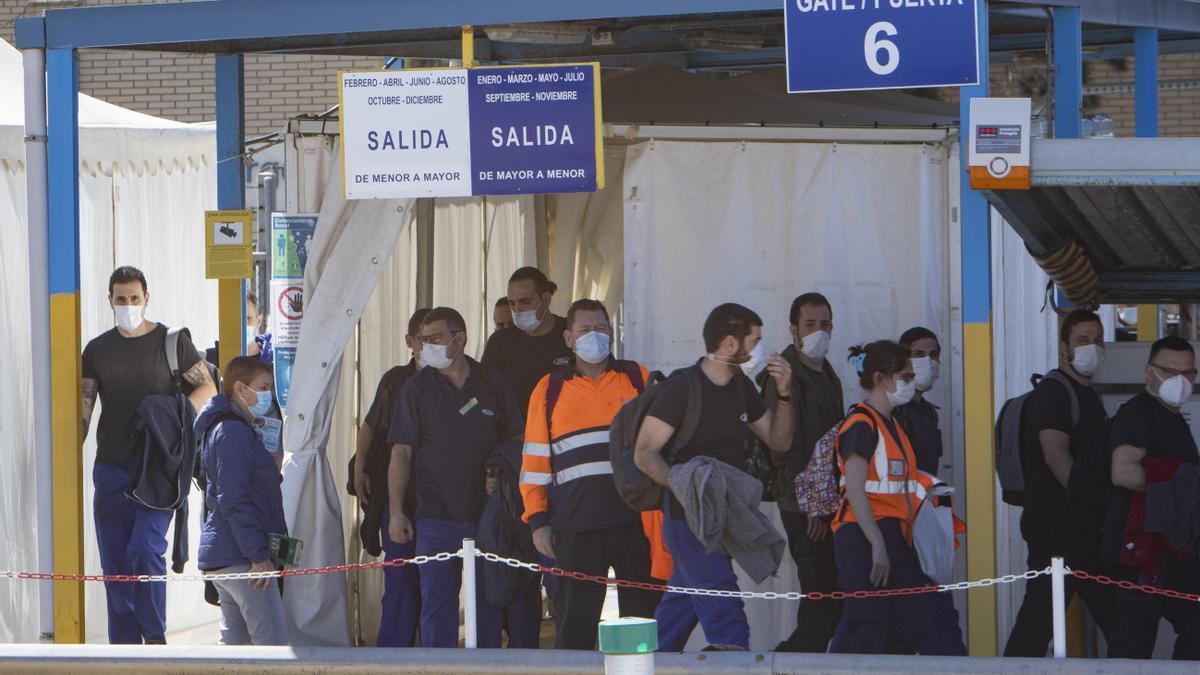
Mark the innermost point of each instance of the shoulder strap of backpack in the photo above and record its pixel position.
(633, 371)
(1060, 378)
(171, 349)
(691, 414)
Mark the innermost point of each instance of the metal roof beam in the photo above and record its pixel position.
(1166, 14)
(255, 24)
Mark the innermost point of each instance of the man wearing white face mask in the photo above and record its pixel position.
(533, 345)
(121, 367)
(450, 415)
(817, 406)
(919, 417)
(1064, 457)
(571, 502)
(1151, 442)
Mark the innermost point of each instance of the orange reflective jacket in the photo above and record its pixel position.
(894, 486)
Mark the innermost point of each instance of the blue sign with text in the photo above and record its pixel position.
(533, 130)
(844, 45)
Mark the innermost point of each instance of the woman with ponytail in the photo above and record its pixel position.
(881, 492)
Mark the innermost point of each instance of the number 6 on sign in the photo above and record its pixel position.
(872, 45)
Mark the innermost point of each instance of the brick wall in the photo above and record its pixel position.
(182, 86)
(1178, 110)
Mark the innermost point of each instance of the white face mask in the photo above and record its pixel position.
(129, 317)
(435, 357)
(815, 345)
(1088, 360)
(250, 335)
(927, 371)
(903, 394)
(1174, 391)
(593, 347)
(527, 321)
(751, 363)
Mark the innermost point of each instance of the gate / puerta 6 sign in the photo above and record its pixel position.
(842, 45)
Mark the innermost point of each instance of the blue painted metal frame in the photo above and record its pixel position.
(62, 162)
(975, 214)
(1068, 72)
(339, 22)
(1145, 74)
(231, 141)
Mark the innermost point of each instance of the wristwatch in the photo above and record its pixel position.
(781, 397)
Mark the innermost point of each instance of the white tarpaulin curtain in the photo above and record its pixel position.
(758, 224)
(586, 242)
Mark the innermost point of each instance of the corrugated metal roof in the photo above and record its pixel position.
(1133, 205)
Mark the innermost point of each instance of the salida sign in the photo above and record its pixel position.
(480, 131)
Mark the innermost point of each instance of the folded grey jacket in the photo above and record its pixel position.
(721, 503)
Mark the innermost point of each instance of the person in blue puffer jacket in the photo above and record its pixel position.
(245, 504)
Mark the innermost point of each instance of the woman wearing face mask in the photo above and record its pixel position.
(919, 418)
(882, 490)
(245, 504)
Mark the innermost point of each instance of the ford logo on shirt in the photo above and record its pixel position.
(487, 412)
(562, 361)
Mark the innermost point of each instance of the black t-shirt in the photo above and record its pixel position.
(524, 360)
(862, 438)
(1050, 408)
(126, 370)
(452, 432)
(919, 419)
(724, 414)
(1144, 422)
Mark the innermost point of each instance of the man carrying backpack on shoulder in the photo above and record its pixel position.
(571, 502)
(730, 407)
(817, 407)
(1064, 452)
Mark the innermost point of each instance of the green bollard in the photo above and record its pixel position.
(628, 645)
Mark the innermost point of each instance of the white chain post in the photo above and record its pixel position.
(470, 615)
(1058, 597)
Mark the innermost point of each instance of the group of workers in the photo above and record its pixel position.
(425, 468)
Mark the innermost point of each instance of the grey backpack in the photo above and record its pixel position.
(1008, 437)
(171, 347)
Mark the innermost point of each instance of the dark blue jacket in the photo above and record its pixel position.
(243, 495)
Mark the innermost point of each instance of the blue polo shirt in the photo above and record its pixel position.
(452, 432)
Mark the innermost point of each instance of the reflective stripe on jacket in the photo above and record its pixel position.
(894, 486)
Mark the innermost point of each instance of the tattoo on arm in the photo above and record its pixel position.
(89, 404)
(198, 375)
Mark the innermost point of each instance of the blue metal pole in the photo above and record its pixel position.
(1068, 72)
(1145, 81)
(66, 367)
(231, 195)
(977, 372)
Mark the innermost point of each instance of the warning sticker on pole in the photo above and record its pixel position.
(228, 244)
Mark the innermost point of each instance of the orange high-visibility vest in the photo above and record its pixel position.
(894, 486)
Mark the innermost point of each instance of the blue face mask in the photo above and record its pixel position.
(262, 403)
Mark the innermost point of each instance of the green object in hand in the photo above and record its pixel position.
(285, 550)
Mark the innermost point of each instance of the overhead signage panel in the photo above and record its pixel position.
(846, 45)
(458, 132)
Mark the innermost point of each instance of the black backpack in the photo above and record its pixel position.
(501, 530)
(1009, 435)
(635, 487)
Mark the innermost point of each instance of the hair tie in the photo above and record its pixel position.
(857, 361)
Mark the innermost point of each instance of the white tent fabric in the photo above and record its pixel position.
(144, 184)
(586, 242)
(864, 224)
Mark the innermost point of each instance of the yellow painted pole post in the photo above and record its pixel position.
(1147, 323)
(468, 46)
(979, 408)
(231, 307)
(66, 363)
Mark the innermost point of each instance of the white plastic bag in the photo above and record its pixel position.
(933, 537)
